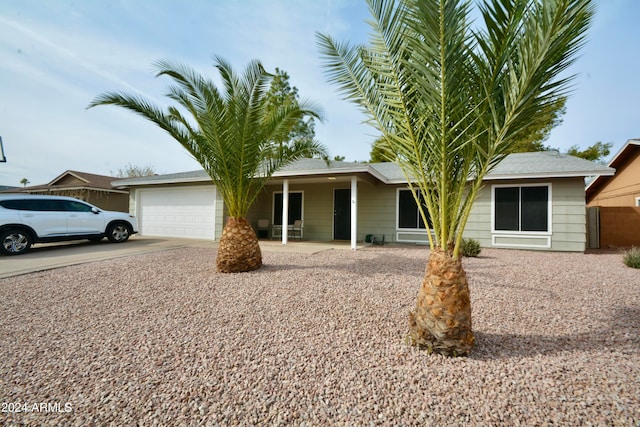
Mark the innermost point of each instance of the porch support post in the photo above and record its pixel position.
(285, 211)
(354, 212)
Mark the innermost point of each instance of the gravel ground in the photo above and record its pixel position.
(162, 339)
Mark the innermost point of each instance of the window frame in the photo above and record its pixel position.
(521, 232)
(273, 207)
(419, 219)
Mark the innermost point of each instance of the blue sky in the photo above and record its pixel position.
(57, 55)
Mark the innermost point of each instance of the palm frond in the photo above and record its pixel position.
(450, 101)
(230, 131)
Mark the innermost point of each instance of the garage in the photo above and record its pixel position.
(187, 212)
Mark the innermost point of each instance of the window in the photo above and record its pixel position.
(76, 207)
(521, 209)
(408, 213)
(295, 207)
(638, 202)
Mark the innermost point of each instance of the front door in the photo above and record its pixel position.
(342, 214)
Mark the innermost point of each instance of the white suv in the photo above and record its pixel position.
(27, 219)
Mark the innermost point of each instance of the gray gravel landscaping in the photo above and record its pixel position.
(318, 339)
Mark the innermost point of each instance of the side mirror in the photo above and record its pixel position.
(95, 211)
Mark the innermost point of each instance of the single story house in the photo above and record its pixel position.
(92, 188)
(529, 201)
(614, 201)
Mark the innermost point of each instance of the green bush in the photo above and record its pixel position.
(470, 248)
(632, 257)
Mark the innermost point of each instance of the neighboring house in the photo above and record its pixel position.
(623, 188)
(530, 201)
(614, 201)
(92, 188)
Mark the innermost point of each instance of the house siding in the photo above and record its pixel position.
(623, 188)
(568, 220)
(376, 209)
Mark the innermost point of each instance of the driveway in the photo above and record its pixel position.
(54, 255)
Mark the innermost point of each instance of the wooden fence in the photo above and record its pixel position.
(613, 227)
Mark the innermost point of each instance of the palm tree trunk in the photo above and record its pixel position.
(239, 250)
(441, 321)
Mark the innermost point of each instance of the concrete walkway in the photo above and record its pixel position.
(54, 255)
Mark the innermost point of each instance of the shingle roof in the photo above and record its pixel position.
(544, 164)
(71, 180)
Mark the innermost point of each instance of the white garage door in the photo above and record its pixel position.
(177, 212)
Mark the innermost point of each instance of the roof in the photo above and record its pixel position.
(544, 164)
(627, 153)
(74, 180)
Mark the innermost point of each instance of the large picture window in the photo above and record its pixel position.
(408, 213)
(295, 207)
(521, 208)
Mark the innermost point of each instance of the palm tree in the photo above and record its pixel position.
(450, 102)
(236, 137)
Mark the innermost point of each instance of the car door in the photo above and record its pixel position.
(47, 217)
(82, 219)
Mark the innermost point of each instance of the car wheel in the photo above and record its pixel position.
(118, 232)
(15, 242)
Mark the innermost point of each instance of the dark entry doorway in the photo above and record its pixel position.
(341, 214)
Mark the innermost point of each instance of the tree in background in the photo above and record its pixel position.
(533, 136)
(451, 102)
(24, 182)
(380, 152)
(280, 93)
(237, 133)
(598, 152)
(134, 171)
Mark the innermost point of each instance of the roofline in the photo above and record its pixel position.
(52, 189)
(140, 181)
(576, 174)
(348, 170)
(624, 147)
(596, 181)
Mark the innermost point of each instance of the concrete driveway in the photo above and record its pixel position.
(54, 255)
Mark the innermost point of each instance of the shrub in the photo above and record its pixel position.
(470, 248)
(632, 257)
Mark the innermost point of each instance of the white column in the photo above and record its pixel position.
(285, 211)
(354, 211)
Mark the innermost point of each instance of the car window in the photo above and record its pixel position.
(51, 205)
(76, 207)
(21, 204)
(42, 205)
(13, 204)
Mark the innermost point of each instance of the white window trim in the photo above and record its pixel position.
(400, 232)
(637, 202)
(507, 233)
(406, 230)
(273, 204)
